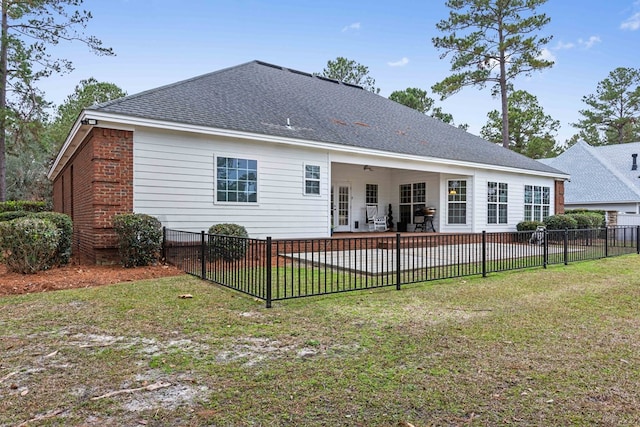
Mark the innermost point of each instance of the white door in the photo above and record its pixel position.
(342, 208)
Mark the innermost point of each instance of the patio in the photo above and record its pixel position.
(379, 260)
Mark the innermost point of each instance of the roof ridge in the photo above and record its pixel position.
(170, 85)
(201, 76)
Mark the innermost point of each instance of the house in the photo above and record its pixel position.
(286, 154)
(602, 178)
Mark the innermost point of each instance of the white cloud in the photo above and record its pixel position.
(588, 44)
(401, 63)
(632, 23)
(354, 26)
(547, 55)
(563, 46)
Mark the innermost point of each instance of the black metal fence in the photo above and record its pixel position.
(279, 269)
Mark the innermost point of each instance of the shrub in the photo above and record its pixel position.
(10, 215)
(528, 225)
(587, 220)
(23, 205)
(560, 222)
(580, 211)
(65, 226)
(29, 244)
(227, 241)
(139, 239)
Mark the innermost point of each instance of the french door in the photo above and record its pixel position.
(341, 207)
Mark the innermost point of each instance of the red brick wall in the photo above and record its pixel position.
(559, 197)
(95, 185)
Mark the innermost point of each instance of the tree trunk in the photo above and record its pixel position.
(505, 113)
(503, 91)
(3, 101)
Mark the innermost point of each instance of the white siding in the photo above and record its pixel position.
(516, 186)
(174, 181)
(628, 219)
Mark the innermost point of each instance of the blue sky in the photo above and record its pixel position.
(159, 42)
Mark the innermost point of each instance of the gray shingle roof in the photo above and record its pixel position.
(259, 98)
(599, 174)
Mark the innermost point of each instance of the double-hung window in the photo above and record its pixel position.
(497, 202)
(371, 194)
(236, 180)
(457, 201)
(536, 202)
(312, 180)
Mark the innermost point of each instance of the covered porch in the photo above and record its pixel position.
(411, 200)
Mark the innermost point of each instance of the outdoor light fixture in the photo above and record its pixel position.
(367, 168)
(453, 185)
(91, 122)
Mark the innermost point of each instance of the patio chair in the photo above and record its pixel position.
(537, 237)
(376, 222)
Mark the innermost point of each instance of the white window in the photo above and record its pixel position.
(371, 194)
(457, 201)
(536, 202)
(497, 202)
(236, 180)
(312, 180)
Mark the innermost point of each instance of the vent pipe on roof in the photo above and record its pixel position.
(634, 166)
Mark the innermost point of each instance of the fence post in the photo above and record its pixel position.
(606, 242)
(545, 248)
(164, 243)
(484, 253)
(398, 261)
(638, 239)
(203, 266)
(268, 295)
(566, 246)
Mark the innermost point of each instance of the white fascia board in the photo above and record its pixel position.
(77, 134)
(129, 122)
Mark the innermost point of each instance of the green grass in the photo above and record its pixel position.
(536, 347)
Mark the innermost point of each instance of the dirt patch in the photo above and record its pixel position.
(77, 275)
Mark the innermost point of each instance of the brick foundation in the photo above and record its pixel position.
(95, 185)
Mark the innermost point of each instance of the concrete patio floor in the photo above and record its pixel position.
(374, 261)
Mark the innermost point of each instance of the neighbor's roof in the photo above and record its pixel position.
(260, 98)
(599, 174)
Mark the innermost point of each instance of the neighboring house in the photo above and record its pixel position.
(286, 154)
(602, 178)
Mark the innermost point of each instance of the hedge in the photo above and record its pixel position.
(65, 226)
(29, 244)
(560, 222)
(23, 205)
(139, 239)
(227, 241)
(11, 215)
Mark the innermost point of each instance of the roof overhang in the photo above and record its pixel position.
(90, 119)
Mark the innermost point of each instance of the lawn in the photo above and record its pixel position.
(559, 346)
